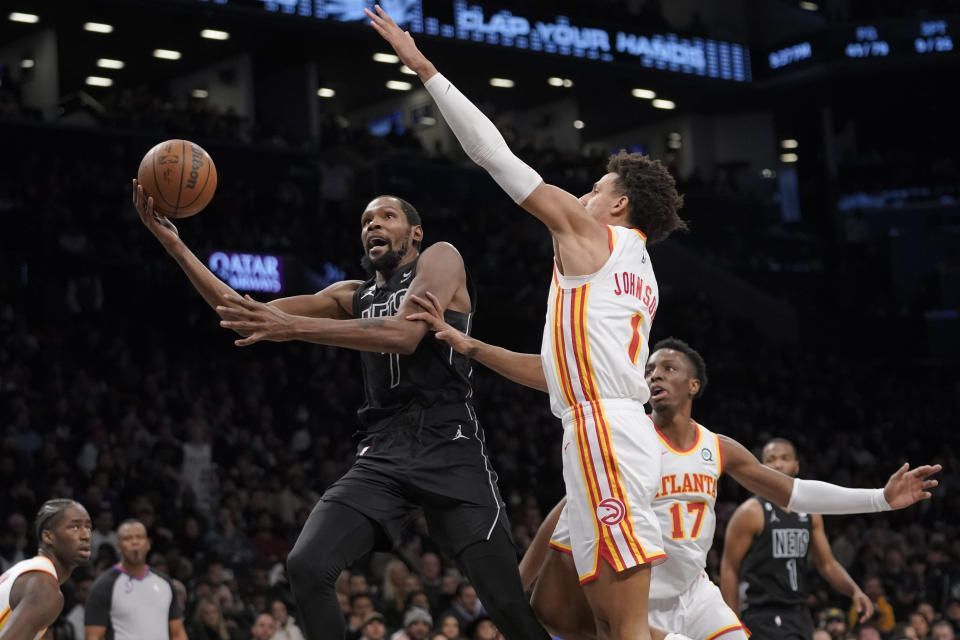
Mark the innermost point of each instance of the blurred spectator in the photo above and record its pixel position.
(373, 627)
(466, 605)
(81, 587)
(942, 630)
(836, 623)
(482, 628)
(208, 622)
(920, 625)
(450, 627)
(416, 625)
(393, 592)
(287, 628)
(903, 632)
(264, 627)
(867, 631)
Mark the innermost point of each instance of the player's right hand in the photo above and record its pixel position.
(401, 41)
(159, 225)
(432, 314)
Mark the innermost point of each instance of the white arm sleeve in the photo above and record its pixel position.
(813, 496)
(482, 141)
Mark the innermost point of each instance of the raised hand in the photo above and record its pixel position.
(159, 225)
(401, 41)
(906, 487)
(255, 320)
(432, 314)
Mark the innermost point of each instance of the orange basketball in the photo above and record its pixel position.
(180, 176)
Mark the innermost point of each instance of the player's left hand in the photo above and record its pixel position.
(863, 604)
(400, 40)
(906, 487)
(255, 320)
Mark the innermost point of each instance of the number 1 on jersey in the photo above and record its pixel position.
(677, 533)
(636, 339)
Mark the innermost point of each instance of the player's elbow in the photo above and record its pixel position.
(404, 341)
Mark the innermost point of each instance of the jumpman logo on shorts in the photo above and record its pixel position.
(460, 434)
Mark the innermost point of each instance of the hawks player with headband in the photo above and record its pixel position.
(30, 597)
(602, 300)
(682, 597)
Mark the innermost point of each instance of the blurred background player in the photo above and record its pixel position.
(130, 601)
(610, 462)
(30, 596)
(767, 548)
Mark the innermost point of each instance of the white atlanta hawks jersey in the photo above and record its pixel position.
(595, 338)
(36, 563)
(684, 505)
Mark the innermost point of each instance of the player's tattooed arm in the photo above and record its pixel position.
(522, 368)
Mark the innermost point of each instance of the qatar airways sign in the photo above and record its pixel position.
(248, 271)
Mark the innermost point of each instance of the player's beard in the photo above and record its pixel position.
(388, 261)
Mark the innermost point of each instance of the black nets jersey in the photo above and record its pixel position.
(434, 375)
(775, 565)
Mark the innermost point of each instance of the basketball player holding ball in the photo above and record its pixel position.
(422, 445)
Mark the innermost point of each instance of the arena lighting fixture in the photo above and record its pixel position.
(326, 92)
(214, 34)
(388, 58)
(809, 6)
(768, 173)
(645, 94)
(788, 157)
(663, 104)
(27, 63)
(29, 18)
(428, 121)
(567, 83)
(789, 143)
(199, 93)
(578, 124)
(166, 54)
(399, 85)
(109, 63)
(98, 27)
(503, 83)
(555, 81)
(407, 70)
(99, 81)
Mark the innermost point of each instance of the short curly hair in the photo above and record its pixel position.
(652, 194)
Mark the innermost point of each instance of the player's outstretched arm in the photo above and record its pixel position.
(35, 602)
(439, 269)
(522, 368)
(904, 488)
(833, 572)
(560, 211)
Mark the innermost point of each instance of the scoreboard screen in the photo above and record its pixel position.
(863, 41)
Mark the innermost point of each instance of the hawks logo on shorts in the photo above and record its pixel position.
(610, 511)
